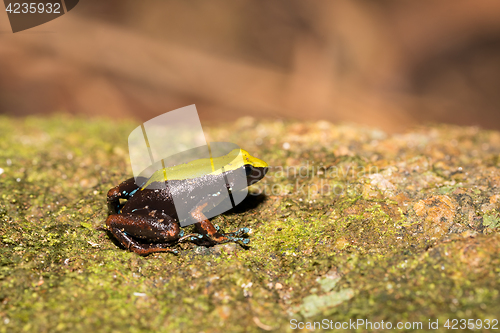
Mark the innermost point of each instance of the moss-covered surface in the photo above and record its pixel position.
(353, 224)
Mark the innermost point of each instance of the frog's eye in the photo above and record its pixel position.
(248, 170)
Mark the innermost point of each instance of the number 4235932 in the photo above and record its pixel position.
(33, 7)
(471, 324)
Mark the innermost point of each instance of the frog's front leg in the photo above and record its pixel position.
(158, 233)
(206, 228)
(123, 191)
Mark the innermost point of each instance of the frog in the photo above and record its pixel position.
(148, 221)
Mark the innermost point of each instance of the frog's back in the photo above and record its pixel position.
(202, 167)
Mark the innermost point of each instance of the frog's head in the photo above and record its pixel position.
(255, 168)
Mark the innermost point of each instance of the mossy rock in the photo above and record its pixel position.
(350, 223)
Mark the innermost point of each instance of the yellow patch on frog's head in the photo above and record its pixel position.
(250, 160)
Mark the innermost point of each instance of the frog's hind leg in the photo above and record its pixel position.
(127, 228)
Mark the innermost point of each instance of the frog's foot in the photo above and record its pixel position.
(237, 236)
(234, 236)
(213, 236)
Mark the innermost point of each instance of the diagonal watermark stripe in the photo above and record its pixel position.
(169, 153)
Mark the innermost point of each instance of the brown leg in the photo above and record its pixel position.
(206, 228)
(128, 227)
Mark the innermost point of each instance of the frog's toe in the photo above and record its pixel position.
(163, 248)
(236, 236)
(145, 250)
(237, 239)
(237, 233)
(190, 237)
(171, 251)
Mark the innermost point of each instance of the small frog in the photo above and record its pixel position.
(148, 222)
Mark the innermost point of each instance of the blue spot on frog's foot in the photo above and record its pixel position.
(181, 233)
(237, 239)
(196, 237)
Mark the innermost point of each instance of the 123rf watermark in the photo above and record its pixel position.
(364, 324)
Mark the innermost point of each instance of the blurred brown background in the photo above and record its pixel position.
(389, 64)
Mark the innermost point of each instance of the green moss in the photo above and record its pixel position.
(491, 221)
(344, 229)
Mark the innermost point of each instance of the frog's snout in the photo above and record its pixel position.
(254, 174)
